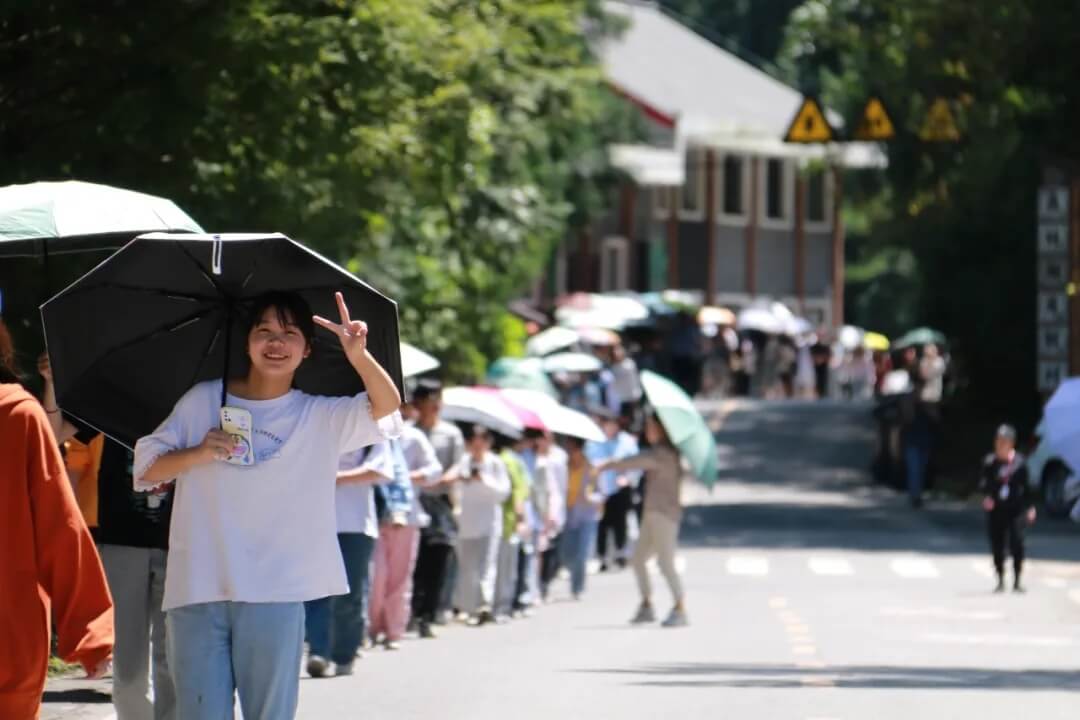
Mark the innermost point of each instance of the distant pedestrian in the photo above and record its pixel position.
(660, 522)
(1008, 502)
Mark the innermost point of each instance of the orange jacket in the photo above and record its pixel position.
(48, 563)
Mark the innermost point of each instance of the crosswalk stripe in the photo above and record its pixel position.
(748, 565)
(914, 568)
(832, 566)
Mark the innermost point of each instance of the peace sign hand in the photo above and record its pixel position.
(352, 333)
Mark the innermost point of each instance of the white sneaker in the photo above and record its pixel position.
(343, 670)
(677, 618)
(645, 614)
(317, 666)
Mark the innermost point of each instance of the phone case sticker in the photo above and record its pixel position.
(237, 423)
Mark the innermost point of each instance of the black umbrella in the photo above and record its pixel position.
(131, 337)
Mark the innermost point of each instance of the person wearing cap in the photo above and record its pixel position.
(1008, 503)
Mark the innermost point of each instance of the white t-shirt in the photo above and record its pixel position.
(481, 500)
(354, 502)
(265, 533)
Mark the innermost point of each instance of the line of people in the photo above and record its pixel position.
(351, 525)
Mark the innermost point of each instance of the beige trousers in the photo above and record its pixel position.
(658, 538)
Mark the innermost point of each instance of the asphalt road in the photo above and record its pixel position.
(812, 596)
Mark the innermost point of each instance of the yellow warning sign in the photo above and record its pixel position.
(875, 123)
(809, 125)
(939, 125)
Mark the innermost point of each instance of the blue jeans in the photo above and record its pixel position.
(916, 458)
(252, 648)
(336, 625)
(575, 546)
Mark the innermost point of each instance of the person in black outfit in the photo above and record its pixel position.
(1007, 500)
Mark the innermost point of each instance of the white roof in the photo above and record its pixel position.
(713, 97)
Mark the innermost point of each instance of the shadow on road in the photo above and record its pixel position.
(878, 677)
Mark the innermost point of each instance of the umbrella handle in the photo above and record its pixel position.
(216, 251)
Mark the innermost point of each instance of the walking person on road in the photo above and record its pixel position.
(249, 544)
(661, 517)
(583, 503)
(415, 463)
(49, 568)
(337, 626)
(1008, 503)
(617, 488)
(485, 485)
(438, 537)
(132, 533)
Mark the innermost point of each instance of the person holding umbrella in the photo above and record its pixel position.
(250, 543)
(661, 517)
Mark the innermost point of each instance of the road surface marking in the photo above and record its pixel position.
(804, 650)
(810, 664)
(832, 566)
(797, 629)
(778, 603)
(748, 565)
(1055, 582)
(819, 681)
(789, 617)
(914, 568)
(1074, 595)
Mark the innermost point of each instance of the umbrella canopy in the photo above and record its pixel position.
(557, 418)
(599, 337)
(685, 426)
(551, 340)
(760, 319)
(850, 337)
(920, 336)
(876, 341)
(528, 417)
(128, 339)
(572, 362)
(604, 311)
(712, 315)
(415, 361)
(479, 407)
(73, 216)
(523, 373)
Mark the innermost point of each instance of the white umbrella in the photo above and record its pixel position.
(760, 319)
(612, 312)
(896, 382)
(571, 362)
(415, 361)
(469, 405)
(557, 418)
(799, 326)
(851, 337)
(551, 340)
(70, 216)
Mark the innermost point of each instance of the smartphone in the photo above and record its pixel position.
(237, 423)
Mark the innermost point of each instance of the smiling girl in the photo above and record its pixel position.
(249, 544)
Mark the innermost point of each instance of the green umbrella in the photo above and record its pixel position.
(521, 373)
(920, 336)
(685, 426)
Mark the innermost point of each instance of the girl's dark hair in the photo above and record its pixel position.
(290, 308)
(8, 372)
(575, 442)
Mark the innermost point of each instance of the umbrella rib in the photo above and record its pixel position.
(145, 290)
(201, 269)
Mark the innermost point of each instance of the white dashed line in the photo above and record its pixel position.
(832, 566)
(748, 565)
(914, 568)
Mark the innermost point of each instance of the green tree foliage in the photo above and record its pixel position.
(958, 218)
(438, 147)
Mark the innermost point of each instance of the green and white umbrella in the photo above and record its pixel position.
(521, 373)
(920, 336)
(685, 426)
(52, 218)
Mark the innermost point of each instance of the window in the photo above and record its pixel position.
(693, 189)
(816, 211)
(732, 203)
(662, 201)
(614, 264)
(774, 189)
